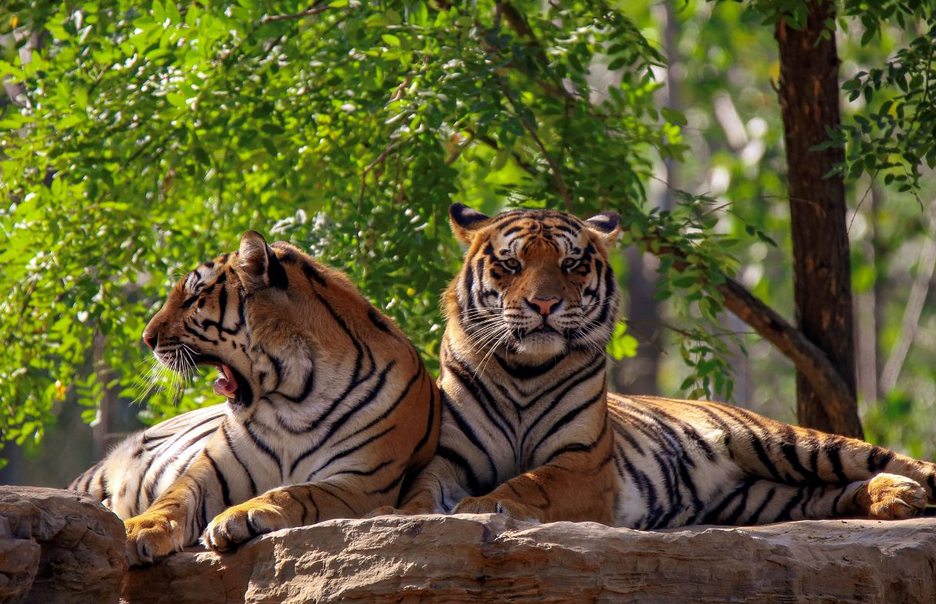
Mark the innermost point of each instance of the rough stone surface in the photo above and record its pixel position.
(58, 547)
(494, 559)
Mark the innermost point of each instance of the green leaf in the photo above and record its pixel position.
(672, 116)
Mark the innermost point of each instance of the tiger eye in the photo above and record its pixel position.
(512, 263)
(569, 263)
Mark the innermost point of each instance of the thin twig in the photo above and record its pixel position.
(367, 170)
(492, 143)
(312, 10)
(557, 175)
(911, 319)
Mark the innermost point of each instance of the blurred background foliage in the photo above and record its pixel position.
(141, 138)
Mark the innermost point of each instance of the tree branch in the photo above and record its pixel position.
(553, 166)
(312, 10)
(911, 318)
(808, 358)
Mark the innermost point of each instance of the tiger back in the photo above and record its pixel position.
(329, 407)
(529, 429)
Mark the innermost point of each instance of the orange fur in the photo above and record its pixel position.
(331, 409)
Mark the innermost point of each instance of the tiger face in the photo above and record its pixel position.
(241, 313)
(535, 283)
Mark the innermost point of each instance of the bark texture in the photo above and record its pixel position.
(809, 102)
(491, 558)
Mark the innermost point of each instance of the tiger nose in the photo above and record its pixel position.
(543, 306)
(151, 339)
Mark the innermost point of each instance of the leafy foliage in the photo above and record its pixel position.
(148, 136)
(897, 137)
(144, 137)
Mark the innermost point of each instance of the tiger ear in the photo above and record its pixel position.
(257, 264)
(465, 221)
(606, 225)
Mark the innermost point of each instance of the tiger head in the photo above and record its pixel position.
(253, 314)
(535, 283)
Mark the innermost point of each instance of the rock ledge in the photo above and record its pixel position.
(491, 558)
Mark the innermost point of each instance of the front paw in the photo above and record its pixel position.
(496, 505)
(241, 523)
(151, 536)
(407, 509)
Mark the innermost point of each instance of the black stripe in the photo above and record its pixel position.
(225, 492)
(486, 402)
(263, 447)
(366, 400)
(580, 448)
(645, 484)
(673, 496)
(324, 488)
(878, 459)
(563, 422)
(472, 437)
(528, 372)
(789, 447)
(755, 441)
(153, 482)
(379, 321)
(431, 415)
(755, 517)
(370, 472)
(390, 486)
(311, 272)
(732, 518)
(582, 375)
(833, 452)
(784, 514)
(350, 450)
(714, 514)
(230, 444)
(474, 486)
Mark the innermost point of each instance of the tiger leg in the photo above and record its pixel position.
(292, 506)
(761, 501)
(435, 490)
(178, 516)
(788, 454)
(577, 484)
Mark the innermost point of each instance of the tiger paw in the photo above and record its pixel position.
(407, 509)
(241, 523)
(496, 505)
(893, 497)
(152, 536)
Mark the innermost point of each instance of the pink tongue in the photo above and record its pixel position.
(225, 385)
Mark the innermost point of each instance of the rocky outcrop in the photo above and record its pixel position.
(495, 559)
(58, 547)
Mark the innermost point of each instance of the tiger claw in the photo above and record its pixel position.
(893, 497)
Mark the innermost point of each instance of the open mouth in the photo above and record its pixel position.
(226, 384)
(230, 383)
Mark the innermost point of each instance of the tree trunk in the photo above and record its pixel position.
(809, 102)
(640, 374)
